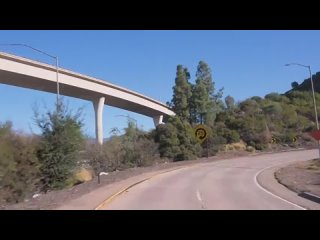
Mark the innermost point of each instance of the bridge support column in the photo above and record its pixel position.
(98, 105)
(158, 120)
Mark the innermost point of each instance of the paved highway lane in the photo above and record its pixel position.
(227, 184)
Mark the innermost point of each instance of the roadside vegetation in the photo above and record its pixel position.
(56, 158)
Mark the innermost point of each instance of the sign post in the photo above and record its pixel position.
(207, 148)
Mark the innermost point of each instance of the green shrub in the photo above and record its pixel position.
(61, 142)
(177, 141)
(19, 166)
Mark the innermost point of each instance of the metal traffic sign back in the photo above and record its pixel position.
(201, 132)
(315, 134)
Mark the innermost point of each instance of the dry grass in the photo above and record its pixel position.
(82, 175)
(239, 146)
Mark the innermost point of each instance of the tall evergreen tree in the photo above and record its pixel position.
(200, 100)
(204, 74)
(206, 102)
(181, 93)
(192, 107)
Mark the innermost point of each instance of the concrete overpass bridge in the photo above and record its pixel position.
(26, 73)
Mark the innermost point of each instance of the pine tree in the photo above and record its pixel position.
(204, 74)
(181, 93)
(200, 100)
(192, 106)
(207, 103)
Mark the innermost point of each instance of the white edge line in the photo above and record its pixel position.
(276, 196)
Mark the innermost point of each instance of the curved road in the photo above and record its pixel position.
(227, 184)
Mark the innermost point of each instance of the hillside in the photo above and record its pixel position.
(306, 84)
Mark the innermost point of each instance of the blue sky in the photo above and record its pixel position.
(245, 63)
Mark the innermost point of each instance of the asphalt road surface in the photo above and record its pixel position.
(227, 184)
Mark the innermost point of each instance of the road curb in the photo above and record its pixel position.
(109, 199)
(310, 196)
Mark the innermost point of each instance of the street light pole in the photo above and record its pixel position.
(47, 54)
(57, 78)
(313, 96)
(314, 99)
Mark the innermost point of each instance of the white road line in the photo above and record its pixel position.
(276, 196)
(200, 199)
(199, 196)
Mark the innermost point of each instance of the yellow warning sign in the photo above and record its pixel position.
(201, 132)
